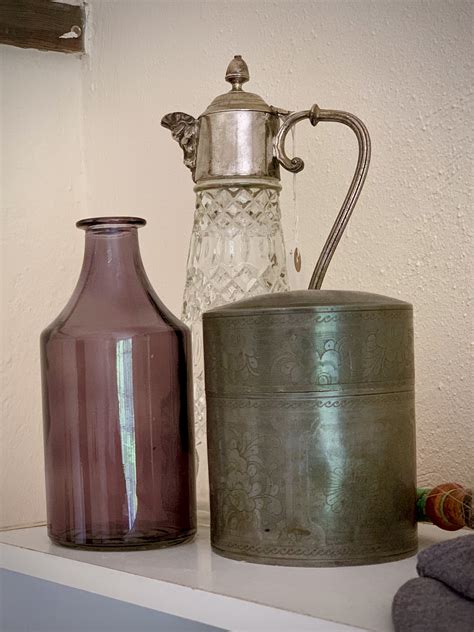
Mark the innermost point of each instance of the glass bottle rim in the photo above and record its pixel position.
(112, 222)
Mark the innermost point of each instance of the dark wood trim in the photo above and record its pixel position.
(40, 24)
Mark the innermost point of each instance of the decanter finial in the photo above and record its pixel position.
(237, 72)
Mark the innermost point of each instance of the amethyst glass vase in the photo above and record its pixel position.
(117, 398)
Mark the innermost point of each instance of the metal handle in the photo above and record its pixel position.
(295, 165)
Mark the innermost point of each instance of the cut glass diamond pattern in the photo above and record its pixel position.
(237, 250)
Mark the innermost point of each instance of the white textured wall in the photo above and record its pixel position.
(404, 67)
(41, 183)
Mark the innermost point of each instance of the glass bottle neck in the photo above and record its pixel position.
(113, 294)
(112, 262)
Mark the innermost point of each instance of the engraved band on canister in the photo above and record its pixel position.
(311, 428)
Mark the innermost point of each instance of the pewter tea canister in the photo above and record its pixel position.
(311, 428)
(310, 413)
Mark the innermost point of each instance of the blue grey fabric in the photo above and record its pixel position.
(427, 605)
(442, 598)
(450, 562)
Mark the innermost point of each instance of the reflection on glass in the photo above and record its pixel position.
(127, 423)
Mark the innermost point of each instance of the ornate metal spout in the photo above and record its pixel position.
(184, 129)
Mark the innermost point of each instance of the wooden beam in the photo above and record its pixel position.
(42, 24)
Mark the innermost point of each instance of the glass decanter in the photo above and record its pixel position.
(237, 247)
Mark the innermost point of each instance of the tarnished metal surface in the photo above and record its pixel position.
(311, 428)
(365, 346)
(237, 143)
(234, 136)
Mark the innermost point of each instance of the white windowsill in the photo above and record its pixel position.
(191, 581)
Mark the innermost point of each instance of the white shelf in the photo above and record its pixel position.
(192, 582)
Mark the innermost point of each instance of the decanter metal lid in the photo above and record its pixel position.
(233, 138)
(237, 99)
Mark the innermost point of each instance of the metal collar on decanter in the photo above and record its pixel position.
(251, 181)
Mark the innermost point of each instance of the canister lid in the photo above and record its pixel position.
(310, 341)
(309, 300)
(237, 99)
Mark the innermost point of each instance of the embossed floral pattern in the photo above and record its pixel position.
(344, 487)
(247, 488)
(238, 357)
(387, 354)
(322, 365)
(284, 352)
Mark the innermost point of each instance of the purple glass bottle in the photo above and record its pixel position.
(117, 398)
